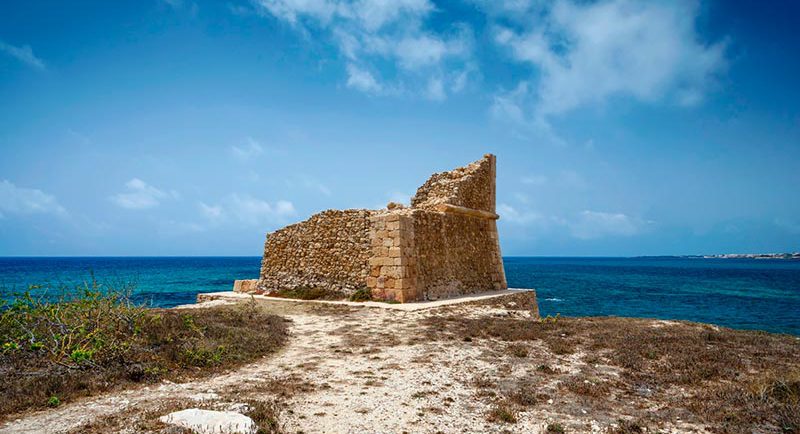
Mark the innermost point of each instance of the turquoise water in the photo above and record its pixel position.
(739, 293)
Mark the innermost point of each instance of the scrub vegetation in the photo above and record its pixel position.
(729, 380)
(93, 338)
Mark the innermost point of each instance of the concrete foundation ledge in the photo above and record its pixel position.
(410, 306)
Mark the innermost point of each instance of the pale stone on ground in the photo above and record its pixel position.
(211, 422)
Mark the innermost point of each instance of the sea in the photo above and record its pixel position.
(762, 294)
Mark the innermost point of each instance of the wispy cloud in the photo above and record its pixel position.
(140, 195)
(585, 225)
(595, 224)
(211, 212)
(249, 150)
(187, 5)
(389, 34)
(363, 80)
(513, 215)
(244, 208)
(25, 201)
(312, 183)
(535, 180)
(585, 53)
(24, 54)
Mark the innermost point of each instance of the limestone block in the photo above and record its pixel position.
(210, 421)
(249, 285)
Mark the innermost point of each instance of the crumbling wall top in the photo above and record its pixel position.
(471, 186)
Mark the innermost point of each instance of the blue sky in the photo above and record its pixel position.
(181, 127)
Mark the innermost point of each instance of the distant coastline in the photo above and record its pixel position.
(795, 255)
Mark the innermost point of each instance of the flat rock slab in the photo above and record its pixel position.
(208, 297)
(211, 422)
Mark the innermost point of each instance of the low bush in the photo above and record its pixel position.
(502, 412)
(94, 338)
(309, 293)
(362, 294)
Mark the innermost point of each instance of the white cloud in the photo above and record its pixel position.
(250, 149)
(510, 105)
(586, 53)
(211, 212)
(536, 180)
(255, 211)
(595, 224)
(25, 201)
(363, 80)
(244, 209)
(389, 34)
(24, 54)
(311, 183)
(416, 52)
(140, 195)
(511, 214)
(586, 225)
(436, 90)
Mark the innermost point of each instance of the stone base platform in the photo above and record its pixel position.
(410, 306)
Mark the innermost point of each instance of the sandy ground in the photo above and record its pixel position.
(355, 370)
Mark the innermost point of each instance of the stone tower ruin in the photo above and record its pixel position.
(444, 245)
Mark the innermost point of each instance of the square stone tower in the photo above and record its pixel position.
(444, 245)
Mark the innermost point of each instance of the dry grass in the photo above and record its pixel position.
(265, 414)
(320, 293)
(503, 412)
(734, 381)
(56, 352)
(308, 293)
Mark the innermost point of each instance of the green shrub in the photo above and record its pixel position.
(94, 338)
(361, 294)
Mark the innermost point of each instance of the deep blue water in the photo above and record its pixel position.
(740, 293)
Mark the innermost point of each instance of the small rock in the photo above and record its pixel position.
(211, 422)
(207, 396)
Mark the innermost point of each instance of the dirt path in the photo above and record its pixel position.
(356, 370)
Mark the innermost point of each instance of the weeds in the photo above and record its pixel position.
(265, 415)
(361, 294)
(309, 293)
(94, 339)
(737, 381)
(502, 412)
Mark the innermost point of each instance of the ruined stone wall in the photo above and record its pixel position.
(330, 250)
(446, 244)
(456, 254)
(471, 186)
